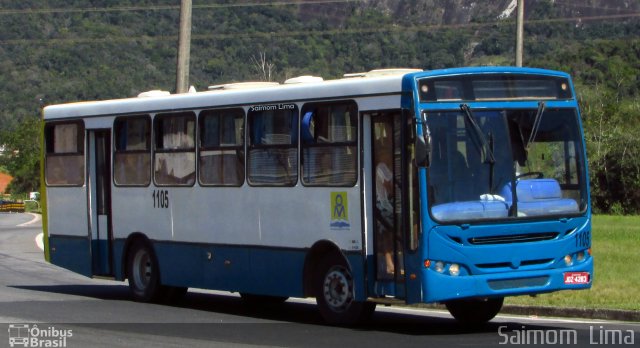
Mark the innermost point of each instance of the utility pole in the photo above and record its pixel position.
(520, 33)
(184, 47)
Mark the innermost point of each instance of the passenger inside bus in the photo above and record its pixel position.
(384, 200)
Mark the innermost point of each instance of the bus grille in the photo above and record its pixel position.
(524, 263)
(513, 238)
(504, 284)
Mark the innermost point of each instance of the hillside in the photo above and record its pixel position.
(58, 51)
(465, 11)
(97, 49)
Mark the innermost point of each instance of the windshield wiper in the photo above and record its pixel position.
(485, 148)
(536, 125)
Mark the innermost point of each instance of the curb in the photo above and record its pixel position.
(541, 311)
(585, 313)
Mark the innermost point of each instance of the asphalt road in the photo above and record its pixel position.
(45, 302)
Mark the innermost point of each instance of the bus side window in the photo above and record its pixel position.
(329, 144)
(65, 165)
(132, 157)
(221, 144)
(273, 146)
(175, 153)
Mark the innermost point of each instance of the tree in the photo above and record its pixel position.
(263, 67)
(22, 155)
(612, 143)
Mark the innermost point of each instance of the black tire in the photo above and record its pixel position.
(334, 290)
(143, 273)
(475, 311)
(257, 300)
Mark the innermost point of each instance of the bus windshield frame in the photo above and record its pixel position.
(480, 154)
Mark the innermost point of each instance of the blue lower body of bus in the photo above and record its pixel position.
(440, 288)
(250, 269)
(492, 268)
(498, 260)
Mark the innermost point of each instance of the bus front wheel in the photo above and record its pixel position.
(334, 292)
(475, 311)
(143, 273)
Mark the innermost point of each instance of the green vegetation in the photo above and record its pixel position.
(616, 278)
(65, 56)
(32, 207)
(22, 159)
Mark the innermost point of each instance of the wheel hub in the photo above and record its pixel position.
(142, 265)
(338, 288)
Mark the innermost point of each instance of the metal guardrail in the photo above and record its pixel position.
(11, 207)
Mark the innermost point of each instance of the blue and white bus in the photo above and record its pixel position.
(457, 186)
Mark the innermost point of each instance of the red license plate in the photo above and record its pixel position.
(577, 278)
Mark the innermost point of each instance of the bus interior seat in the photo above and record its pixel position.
(480, 209)
(539, 197)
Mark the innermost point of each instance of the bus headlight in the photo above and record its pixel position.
(568, 260)
(580, 256)
(439, 267)
(454, 269)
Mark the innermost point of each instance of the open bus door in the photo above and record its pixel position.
(100, 201)
(395, 206)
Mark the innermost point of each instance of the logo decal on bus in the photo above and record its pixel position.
(272, 107)
(339, 211)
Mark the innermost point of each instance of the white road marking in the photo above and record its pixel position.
(36, 218)
(40, 241)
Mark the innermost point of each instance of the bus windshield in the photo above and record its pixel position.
(480, 155)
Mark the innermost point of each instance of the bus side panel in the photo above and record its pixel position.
(72, 253)
(277, 272)
(69, 243)
(118, 259)
(181, 264)
(255, 270)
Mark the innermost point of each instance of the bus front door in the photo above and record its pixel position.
(100, 201)
(386, 169)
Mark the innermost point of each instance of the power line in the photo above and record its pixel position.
(327, 32)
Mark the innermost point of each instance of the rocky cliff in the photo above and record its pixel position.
(435, 12)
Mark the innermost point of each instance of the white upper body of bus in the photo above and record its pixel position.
(303, 88)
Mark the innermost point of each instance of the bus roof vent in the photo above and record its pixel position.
(383, 72)
(303, 79)
(243, 85)
(153, 93)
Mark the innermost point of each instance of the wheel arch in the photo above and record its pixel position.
(131, 240)
(318, 251)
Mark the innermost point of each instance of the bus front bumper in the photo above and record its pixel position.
(442, 287)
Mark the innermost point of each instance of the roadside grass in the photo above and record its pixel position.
(32, 207)
(616, 284)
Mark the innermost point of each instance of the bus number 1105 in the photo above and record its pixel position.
(160, 199)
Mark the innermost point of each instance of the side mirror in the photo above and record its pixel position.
(423, 144)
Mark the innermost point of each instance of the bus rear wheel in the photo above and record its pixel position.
(144, 273)
(335, 296)
(475, 311)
